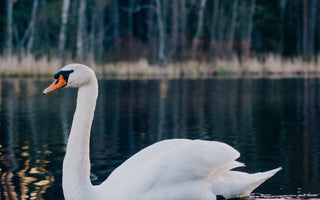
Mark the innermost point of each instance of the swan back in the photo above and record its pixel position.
(176, 164)
(183, 169)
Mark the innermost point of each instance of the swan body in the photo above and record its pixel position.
(176, 169)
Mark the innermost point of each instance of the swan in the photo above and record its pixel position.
(175, 169)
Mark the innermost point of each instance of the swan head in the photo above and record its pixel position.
(73, 75)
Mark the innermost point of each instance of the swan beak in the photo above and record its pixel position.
(58, 83)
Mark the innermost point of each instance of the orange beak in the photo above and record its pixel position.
(58, 83)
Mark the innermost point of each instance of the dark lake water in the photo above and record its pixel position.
(272, 122)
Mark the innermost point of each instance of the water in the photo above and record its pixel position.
(272, 122)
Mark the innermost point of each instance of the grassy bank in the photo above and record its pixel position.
(271, 65)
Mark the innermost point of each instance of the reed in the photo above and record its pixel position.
(268, 65)
(28, 66)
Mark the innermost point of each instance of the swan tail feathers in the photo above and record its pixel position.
(258, 179)
(268, 174)
(235, 184)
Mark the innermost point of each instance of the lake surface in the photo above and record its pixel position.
(272, 122)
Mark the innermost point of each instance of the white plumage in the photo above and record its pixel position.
(176, 169)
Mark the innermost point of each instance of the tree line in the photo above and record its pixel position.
(159, 30)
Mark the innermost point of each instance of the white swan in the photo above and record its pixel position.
(177, 169)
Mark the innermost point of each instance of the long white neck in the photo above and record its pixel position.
(76, 165)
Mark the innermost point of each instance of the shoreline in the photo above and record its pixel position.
(271, 66)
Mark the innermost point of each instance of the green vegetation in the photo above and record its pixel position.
(186, 38)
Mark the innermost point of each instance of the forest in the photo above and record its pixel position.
(160, 31)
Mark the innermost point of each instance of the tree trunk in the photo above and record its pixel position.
(232, 27)
(305, 30)
(161, 54)
(196, 39)
(213, 35)
(250, 23)
(80, 31)
(32, 25)
(318, 28)
(130, 23)
(62, 35)
(282, 12)
(101, 33)
(299, 31)
(116, 18)
(221, 31)
(97, 32)
(151, 28)
(92, 34)
(175, 26)
(183, 27)
(8, 51)
(247, 44)
(312, 27)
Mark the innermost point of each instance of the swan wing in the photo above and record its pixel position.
(171, 162)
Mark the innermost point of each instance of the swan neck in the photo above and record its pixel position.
(76, 164)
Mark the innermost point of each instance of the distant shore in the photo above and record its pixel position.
(269, 66)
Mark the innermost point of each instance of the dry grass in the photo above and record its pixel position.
(266, 66)
(28, 66)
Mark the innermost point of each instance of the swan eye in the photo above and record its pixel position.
(65, 75)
